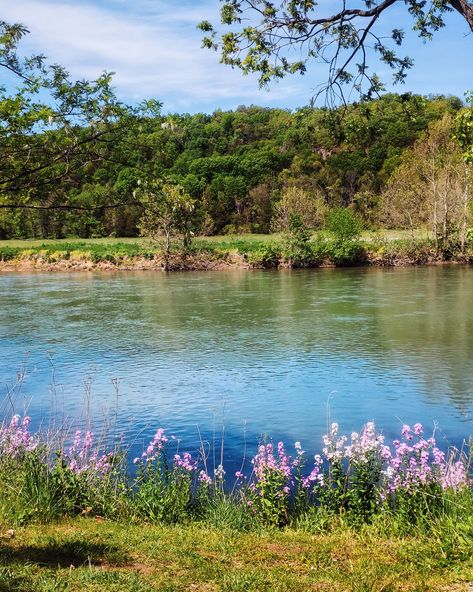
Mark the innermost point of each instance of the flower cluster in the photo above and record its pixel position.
(83, 457)
(412, 462)
(417, 461)
(157, 449)
(154, 448)
(361, 471)
(15, 437)
(364, 465)
(366, 445)
(316, 476)
(205, 478)
(334, 446)
(185, 462)
(266, 463)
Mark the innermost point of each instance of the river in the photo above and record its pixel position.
(246, 353)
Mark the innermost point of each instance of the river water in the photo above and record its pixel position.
(243, 353)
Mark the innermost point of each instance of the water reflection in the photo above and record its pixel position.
(276, 347)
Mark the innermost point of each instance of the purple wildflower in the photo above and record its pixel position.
(205, 478)
(185, 462)
(15, 438)
(83, 458)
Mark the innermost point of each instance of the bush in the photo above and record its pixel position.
(344, 225)
(345, 253)
(298, 250)
(266, 256)
(8, 253)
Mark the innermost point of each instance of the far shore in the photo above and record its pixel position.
(191, 263)
(217, 253)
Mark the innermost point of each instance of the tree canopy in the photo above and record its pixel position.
(51, 126)
(274, 39)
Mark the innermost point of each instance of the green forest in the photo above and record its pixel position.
(77, 162)
(246, 169)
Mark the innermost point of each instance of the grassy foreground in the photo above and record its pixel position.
(367, 517)
(92, 554)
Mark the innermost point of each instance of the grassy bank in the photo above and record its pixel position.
(92, 554)
(221, 252)
(361, 516)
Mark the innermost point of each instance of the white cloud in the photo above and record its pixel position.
(153, 47)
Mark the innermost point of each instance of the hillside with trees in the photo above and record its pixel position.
(247, 170)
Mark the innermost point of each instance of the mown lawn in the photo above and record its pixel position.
(90, 554)
(227, 239)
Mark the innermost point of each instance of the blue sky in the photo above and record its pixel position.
(154, 48)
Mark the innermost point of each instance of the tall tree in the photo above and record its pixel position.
(431, 187)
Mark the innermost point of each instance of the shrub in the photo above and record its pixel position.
(298, 250)
(8, 253)
(267, 256)
(345, 253)
(343, 224)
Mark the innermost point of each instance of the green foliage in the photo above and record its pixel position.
(34, 490)
(311, 209)
(167, 211)
(74, 155)
(227, 512)
(345, 253)
(9, 253)
(343, 224)
(164, 498)
(53, 126)
(336, 34)
(298, 250)
(245, 170)
(464, 129)
(345, 247)
(258, 251)
(266, 256)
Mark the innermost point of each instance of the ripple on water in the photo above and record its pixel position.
(278, 350)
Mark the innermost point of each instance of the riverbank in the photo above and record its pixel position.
(366, 517)
(222, 253)
(94, 554)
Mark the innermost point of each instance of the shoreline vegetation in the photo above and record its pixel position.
(363, 515)
(277, 251)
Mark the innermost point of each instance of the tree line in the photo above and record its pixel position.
(76, 161)
(247, 170)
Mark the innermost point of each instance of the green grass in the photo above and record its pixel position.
(225, 239)
(90, 554)
(250, 250)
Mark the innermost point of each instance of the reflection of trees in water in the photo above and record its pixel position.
(418, 320)
(429, 329)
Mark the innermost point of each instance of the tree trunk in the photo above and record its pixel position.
(167, 250)
(445, 215)
(465, 200)
(434, 204)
